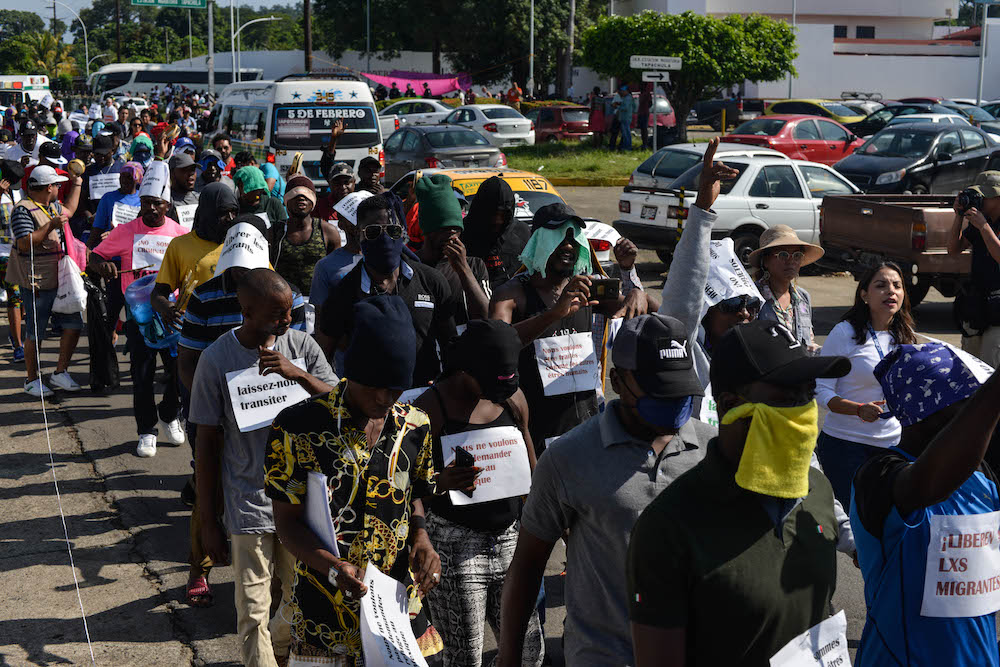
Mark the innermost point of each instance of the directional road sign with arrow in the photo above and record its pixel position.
(658, 77)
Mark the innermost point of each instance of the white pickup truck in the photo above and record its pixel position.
(769, 191)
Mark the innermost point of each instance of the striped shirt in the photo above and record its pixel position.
(214, 309)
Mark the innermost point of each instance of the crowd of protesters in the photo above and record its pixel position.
(703, 507)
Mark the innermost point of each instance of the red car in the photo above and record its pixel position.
(921, 100)
(799, 137)
(559, 123)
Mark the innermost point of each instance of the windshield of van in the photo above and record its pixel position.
(307, 126)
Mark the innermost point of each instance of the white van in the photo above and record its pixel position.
(276, 119)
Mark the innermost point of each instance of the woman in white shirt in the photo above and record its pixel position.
(856, 428)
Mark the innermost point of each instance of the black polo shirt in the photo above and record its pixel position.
(707, 556)
(428, 297)
(985, 270)
(461, 301)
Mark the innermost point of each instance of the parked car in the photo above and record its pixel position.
(824, 108)
(945, 118)
(666, 119)
(738, 110)
(418, 112)
(558, 123)
(137, 102)
(438, 146)
(863, 107)
(879, 119)
(769, 191)
(920, 158)
(921, 100)
(861, 231)
(500, 124)
(798, 137)
(978, 117)
(661, 168)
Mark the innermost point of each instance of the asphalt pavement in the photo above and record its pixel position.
(129, 529)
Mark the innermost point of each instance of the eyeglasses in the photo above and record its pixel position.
(737, 304)
(784, 255)
(392, 230)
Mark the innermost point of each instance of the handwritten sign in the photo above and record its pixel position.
(257, 399)
(185, 215)
(709, 410)
(244, 247)
(149, 249)
(962, 575)
(501, 453)
(102, 184)
(566, 364)
(122, 213)
(823, 645)
(726, 276)
(348, 206)
(386, 636)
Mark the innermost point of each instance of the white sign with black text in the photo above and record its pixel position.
(122, 213)
(185, 215)
(501, 453)
(567, 364)
(148, 250)
(962, 576)
(386, 636)
(257, 399)
(102, 184)
(823, 645)
(727, 277)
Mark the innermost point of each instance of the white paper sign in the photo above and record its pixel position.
(102, 184)
(386, 636)
(501, 453)
(185, 215)
(318, 516)
(244, 247)
(726, 276)
(823, 645)
(257, 399)
(962, 576)
(46, 101)
(566, 364)
(348, 206)
(148, 250)
(122, 213)
(79, 117)
(95, 111)
(709, 411)
(265, 219)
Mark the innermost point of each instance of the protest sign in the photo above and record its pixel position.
(78, 117)
(709, 411)
(257, 399)
(244, 247)
(318, 516)
(266, 220)
(726, 276)
(148, 250)
(566, 364)
(500, 451)
(122, 213)
(185, 215)
(962, 575)
(102, 184)
(823, 645)
(46, 101)
(386, 636)
(348, 206)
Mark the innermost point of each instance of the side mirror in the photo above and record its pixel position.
(850, 139)
(943, 157)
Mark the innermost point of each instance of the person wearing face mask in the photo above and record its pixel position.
(925, 515)
(384, 270)
(766, 569)
(492, 233)
(125, 196)
(477, 394)
(141, 244)
(211, 168)
(594, 481)
(141, 151)
(254, 197)
(302, 240)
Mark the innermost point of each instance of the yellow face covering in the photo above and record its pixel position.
(778, 448)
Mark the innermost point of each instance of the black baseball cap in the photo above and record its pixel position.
(12, 172)
(553, 216)
(29, 127)
(765, 351)
(50, 151)
(657, 350)
(103, 143)
(369, 163)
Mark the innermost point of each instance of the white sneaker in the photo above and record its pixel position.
(173, 431)
(147, 446)
(64, 381)
(37, 388)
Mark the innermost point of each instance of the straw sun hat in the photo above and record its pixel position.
(783, 235)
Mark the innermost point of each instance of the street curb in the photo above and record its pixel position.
(592, 182)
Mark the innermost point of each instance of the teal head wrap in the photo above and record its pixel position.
(543, 243)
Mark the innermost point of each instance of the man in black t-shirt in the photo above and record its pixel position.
(980, 234)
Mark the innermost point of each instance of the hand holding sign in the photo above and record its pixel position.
(712, 175)
(348, 582)
(458, 478)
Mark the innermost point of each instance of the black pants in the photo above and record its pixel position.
(143, 364)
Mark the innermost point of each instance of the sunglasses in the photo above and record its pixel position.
(737, 304)
(784, 255)
(392, 230)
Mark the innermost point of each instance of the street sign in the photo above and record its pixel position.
(657, 76)
(184, 4)
(652, 62)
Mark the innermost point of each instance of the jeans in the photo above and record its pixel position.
(38, 310)
(626, 143)
(143, 364)
(840, 460)
(257, 559)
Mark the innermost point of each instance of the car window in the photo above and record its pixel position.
(782, 107)
(973, 140)
(675, 163)
(576, 115)
(759, 187)
(456, 137)
(394, 142)
(761, 127)
(832, 132)
(689, 179)
(899, 141)
(411, 143)
(806, 130)
(546, 116)
(495, 113)
(422, 107)
(400, 109)
(776, 181)
(531, 115)
(822, 182)
(882, 115)
(452, 117)
(836, 108)
(949, 143)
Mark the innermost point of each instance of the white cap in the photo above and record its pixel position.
(156, 181)
(44, 175)
(245, 247)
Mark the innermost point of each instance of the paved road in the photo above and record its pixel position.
(129, 529)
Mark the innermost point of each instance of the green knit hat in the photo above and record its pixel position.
(438, 206)
(250, 179)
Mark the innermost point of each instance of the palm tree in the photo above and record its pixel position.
(50, 54)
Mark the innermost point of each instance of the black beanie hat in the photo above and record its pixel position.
(383, 348)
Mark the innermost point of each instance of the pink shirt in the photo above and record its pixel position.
(139, 246)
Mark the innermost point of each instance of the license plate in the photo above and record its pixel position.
(648, 212)
(515, 142)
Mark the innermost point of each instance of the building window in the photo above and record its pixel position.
(865, 32)
(840, 32)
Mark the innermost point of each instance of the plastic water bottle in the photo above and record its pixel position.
(142, 313)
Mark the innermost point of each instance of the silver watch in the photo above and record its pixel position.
(331, 575)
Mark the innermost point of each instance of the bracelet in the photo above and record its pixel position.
(418, 522)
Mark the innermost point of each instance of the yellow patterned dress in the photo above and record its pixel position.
(371, 492)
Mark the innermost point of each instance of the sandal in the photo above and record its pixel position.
(198, 593)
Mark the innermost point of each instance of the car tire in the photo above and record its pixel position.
(744, 243)
(918, 292)
(552, 139)
(665, 256)
(915, 190)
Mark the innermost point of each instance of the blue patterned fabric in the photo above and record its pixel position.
(919, 380)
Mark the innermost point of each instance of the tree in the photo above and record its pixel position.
(14, 22)
(716, 53)
(50, 54)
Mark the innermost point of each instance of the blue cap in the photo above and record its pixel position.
(919, 380)
(184, 144)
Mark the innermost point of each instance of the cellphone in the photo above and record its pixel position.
(464, 459)
(605, 289)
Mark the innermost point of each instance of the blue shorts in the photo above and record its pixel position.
(39, 305)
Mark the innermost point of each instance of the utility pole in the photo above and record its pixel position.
(166, 46)
(55, 32)
(211, 48)
(232, 40)
(570, 30)
(531, 51)
(368, 31)
(307, 28)
(190, 42)
(118, 31)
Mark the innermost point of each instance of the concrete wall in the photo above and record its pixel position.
(280, 63)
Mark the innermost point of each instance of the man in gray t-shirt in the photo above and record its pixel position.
(243, 380)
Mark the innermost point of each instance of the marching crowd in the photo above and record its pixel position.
(304, 332)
